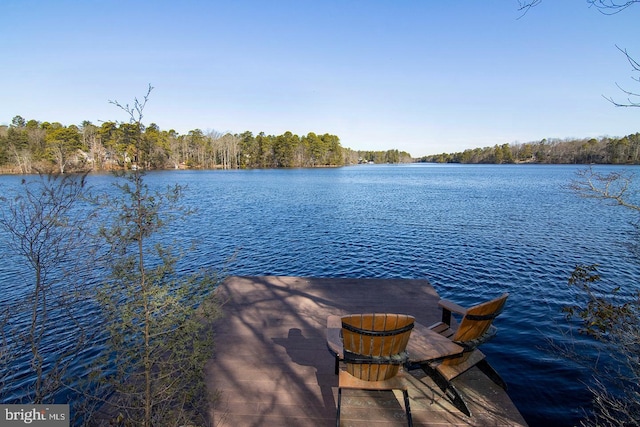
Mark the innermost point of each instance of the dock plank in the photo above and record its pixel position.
(271, 365)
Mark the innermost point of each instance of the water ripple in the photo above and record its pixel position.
(472, 231)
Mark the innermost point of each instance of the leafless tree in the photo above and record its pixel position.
(45, 231)
(608, 7)
(525, 6)
(214, 139)
(228, 151)
(22, 158)
(633, 98)
(613, 187)
(609, 317)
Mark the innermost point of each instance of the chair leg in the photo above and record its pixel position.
(447, 388)
(488, 370)
(337, 367)
(339, 401)
(457, 400)
(407, 408)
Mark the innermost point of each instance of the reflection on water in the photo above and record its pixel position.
(473, 231)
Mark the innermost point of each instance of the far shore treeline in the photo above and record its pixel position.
(28, 146)
(604, 150)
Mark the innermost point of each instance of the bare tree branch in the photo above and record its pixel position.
(135, 111)
(612, 187)
(606, 7)
(633, 98)
(525, 6)
(611, 7)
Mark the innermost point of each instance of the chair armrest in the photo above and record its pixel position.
(452, 307)
(449, 307)
(334, 335)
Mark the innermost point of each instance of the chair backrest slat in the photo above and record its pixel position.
(478, 319)
(376, 338)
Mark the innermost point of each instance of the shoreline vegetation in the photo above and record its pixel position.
(603, 150)
(29, 146)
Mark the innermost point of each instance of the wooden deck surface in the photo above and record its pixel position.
(271, 365)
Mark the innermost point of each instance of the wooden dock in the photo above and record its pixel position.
(272, 368)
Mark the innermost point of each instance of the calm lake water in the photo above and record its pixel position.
(474, 231)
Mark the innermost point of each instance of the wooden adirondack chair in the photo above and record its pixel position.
(475, 328)
(373, 353)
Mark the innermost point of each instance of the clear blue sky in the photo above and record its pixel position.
(422, 76)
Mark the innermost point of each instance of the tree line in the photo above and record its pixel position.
(30, 145)
(604, 150)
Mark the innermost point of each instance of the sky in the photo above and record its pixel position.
(425, 77)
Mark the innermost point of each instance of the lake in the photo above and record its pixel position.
(474, 231)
